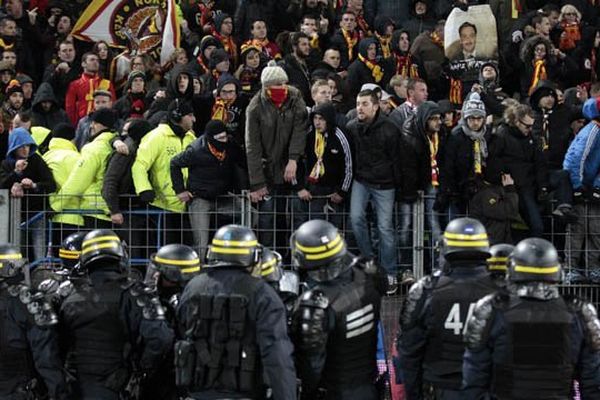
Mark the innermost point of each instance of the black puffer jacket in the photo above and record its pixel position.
(520, 156)
(48, 119)
(208, 177)
(378, 154)
(359, 73)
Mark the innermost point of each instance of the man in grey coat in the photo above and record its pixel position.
(276, 127)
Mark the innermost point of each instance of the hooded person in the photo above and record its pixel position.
(367, 68)
(325, 175)
(218, 65)
(203, 51)
(180, 85)
(225, 35)
(421, 18)
(25, 172)
(489, 89)
(45, 110)
(404, 63)
(465, 156)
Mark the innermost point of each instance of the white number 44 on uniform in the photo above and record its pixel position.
(453, 321)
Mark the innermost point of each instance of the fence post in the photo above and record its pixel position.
(5, 216)
(14, 221)
(418, 235)
(246, 209)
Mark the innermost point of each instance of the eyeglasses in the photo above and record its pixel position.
(527, 126)
(570, 13)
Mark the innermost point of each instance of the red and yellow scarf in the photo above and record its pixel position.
(434, 145)
(385, 42)
(539, 74)
(376, 71)
(203, 66)
(362, 25)
(219, 110)
(318, 170)
(570, 36)
(228, 44)
(351, 41)
(219, 155)
(405, 67)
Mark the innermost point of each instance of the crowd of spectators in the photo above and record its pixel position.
(334, 104)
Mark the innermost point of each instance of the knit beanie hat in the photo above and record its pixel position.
(216, 57)
(63, 130)
(181, 107)
(226, 79)
(273, 74)
(133, 75)
(214, 127)
(13, 87)
(473, 107)
(105, 116)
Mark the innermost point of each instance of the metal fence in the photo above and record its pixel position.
(30, 222)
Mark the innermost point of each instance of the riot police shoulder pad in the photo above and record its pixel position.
(414, 299)
(587, 312)
(145, 297)
(65, 288)
(478, 325)
(39, 309)
(314, 298)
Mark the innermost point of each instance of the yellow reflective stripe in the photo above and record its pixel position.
(537, 270)
(497, 259)
(190, 270)
(318, 249)
(10, 256)
(461, 236)
(460, 243)
(235, 243)
(98, 247)
(100, 239)
(495, 267)
(329, 253)
(69, 254)
(223, 250)
(267, 271)
(269, 263)
(177, 262)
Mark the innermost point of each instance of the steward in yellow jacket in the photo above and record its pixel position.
(62, 157)
(151, 169)
(83, 188)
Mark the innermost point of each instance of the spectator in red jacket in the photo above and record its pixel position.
(80, 95)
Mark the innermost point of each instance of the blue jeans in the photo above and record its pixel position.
(383, 203)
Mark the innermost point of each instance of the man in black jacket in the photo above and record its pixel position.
(295, 65)
(377, 175)
(325, 177)
(515, 151)
(211, 172)
(421, 131)
(552, 128)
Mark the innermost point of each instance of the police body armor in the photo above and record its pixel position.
(15, 363)
(452, 302)
(220, 352)
(534, 369)
(97, 333)
(351, 346)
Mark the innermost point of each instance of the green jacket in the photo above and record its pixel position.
(88, 176)
(61, 157)
(152, 166)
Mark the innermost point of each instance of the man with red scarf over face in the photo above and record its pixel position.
(276, 125)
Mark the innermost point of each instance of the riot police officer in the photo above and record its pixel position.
(335, 322)
(498, 262)
(110, 329)
(28, 342)
(430, 341)
(70, 250)
(234, 327)
(530, 342)
(170, 269)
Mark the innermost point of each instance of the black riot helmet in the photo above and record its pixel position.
(465, 239)
(534, 260)
(101, 245)
(12, 263)
(319, 249)
(176, 263)
(498, 261)
(233, 246)
(70, 249)
(270, 266)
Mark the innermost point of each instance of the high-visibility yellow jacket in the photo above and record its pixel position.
(85, 181)
(151, 169)
(61, 157)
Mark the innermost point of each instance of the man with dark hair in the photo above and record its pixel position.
(79, 101)
(416, 90)
(295, 65)
(258, 32)
(60, 76)
(346, 38)
(467, 33)
(378, 174)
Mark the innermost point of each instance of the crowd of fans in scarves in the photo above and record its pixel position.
(333, 104)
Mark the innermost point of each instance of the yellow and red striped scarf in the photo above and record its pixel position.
(219, 110)
(434, 145)
(351, 41)
(376, 71)
(318, 170)
(385, 42)
(539, 74)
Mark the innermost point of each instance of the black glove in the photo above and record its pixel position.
(579, 195)
(147, 196)
(542, 195)
(595, 195)
(441, 203)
